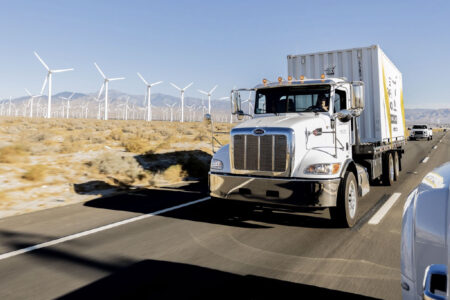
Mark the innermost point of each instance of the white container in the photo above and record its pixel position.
(383, 118)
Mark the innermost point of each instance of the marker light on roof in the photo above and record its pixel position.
(265, 82)
(280, 80)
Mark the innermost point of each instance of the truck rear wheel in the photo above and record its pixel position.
(346, 210)
(388, 170)
(396, 166)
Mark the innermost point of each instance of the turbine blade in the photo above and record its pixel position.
(101, 91)
(42, 61)
(45, 83)
(117, 78)
(156, 83)
(100, 71)
(188, 86)
(175, 86)
(61, 70)
(29, 94)
(70, 97)
(224, 98)
(203, 92)
(213, 89)
(142, 78)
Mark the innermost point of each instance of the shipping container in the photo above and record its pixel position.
(383, 118)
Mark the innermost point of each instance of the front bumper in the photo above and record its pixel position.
(277, 191)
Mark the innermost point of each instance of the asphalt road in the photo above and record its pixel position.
(198, 251)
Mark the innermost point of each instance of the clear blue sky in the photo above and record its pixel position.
(216, 42)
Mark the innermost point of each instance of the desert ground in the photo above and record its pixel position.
(48, 163)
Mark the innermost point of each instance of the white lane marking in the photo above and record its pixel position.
(95, 230)
(425, 159)
(434, 147)
(375, 220)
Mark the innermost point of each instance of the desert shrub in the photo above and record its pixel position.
(116, 134)
(35, 173)
(136, 145)
(115, 164)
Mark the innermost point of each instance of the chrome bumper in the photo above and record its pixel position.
(285, 192)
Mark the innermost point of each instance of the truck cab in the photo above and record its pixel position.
(297, 149)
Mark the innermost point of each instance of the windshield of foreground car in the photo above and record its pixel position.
(292, 99)
(420, 127)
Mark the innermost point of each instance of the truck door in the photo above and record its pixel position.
(343, 129)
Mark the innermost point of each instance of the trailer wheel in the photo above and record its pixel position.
(396, 166)
(346, 211)
(388, 170)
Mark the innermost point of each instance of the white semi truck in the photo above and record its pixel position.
(318, 137)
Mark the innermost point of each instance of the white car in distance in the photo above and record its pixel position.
(421, 132)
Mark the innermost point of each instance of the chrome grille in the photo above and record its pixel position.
(260, 153)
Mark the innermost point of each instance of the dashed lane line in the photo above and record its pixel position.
(425, 159)
(376, 219)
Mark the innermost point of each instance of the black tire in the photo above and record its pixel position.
(396, 166)
(345, 213)
(388, 170)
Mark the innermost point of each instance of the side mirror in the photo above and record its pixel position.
(435, 282)
(409, 128)
(344, 115)
(358, 95)
(207, 119)
(236, 102)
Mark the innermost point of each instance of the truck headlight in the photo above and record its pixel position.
(323, 169)
(216, 164)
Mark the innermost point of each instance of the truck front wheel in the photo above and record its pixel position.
(346, 210)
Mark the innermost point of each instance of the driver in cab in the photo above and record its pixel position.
(323, 102)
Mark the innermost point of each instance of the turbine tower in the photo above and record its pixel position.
(209, 97)
(48, 79)
(31, 101)
(149, 104)
(105, 86)
(182, 98)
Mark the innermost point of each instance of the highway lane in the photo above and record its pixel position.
(196, 250)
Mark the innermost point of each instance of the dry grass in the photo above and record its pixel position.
(64, 152)
(14, 154)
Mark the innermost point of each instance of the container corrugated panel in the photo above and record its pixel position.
(383, 118)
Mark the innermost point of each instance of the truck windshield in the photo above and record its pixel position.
(292, 99)
(420, 127)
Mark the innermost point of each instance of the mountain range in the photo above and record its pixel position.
(118, 98)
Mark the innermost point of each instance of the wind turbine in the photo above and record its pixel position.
(48, 79)
(126, 108)
(105, 86)
(182, 98)
(149, 104)
(209, 97)
(31, 101)
(171, 110)
(68, 103)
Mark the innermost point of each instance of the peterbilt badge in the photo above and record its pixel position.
(258, 131)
